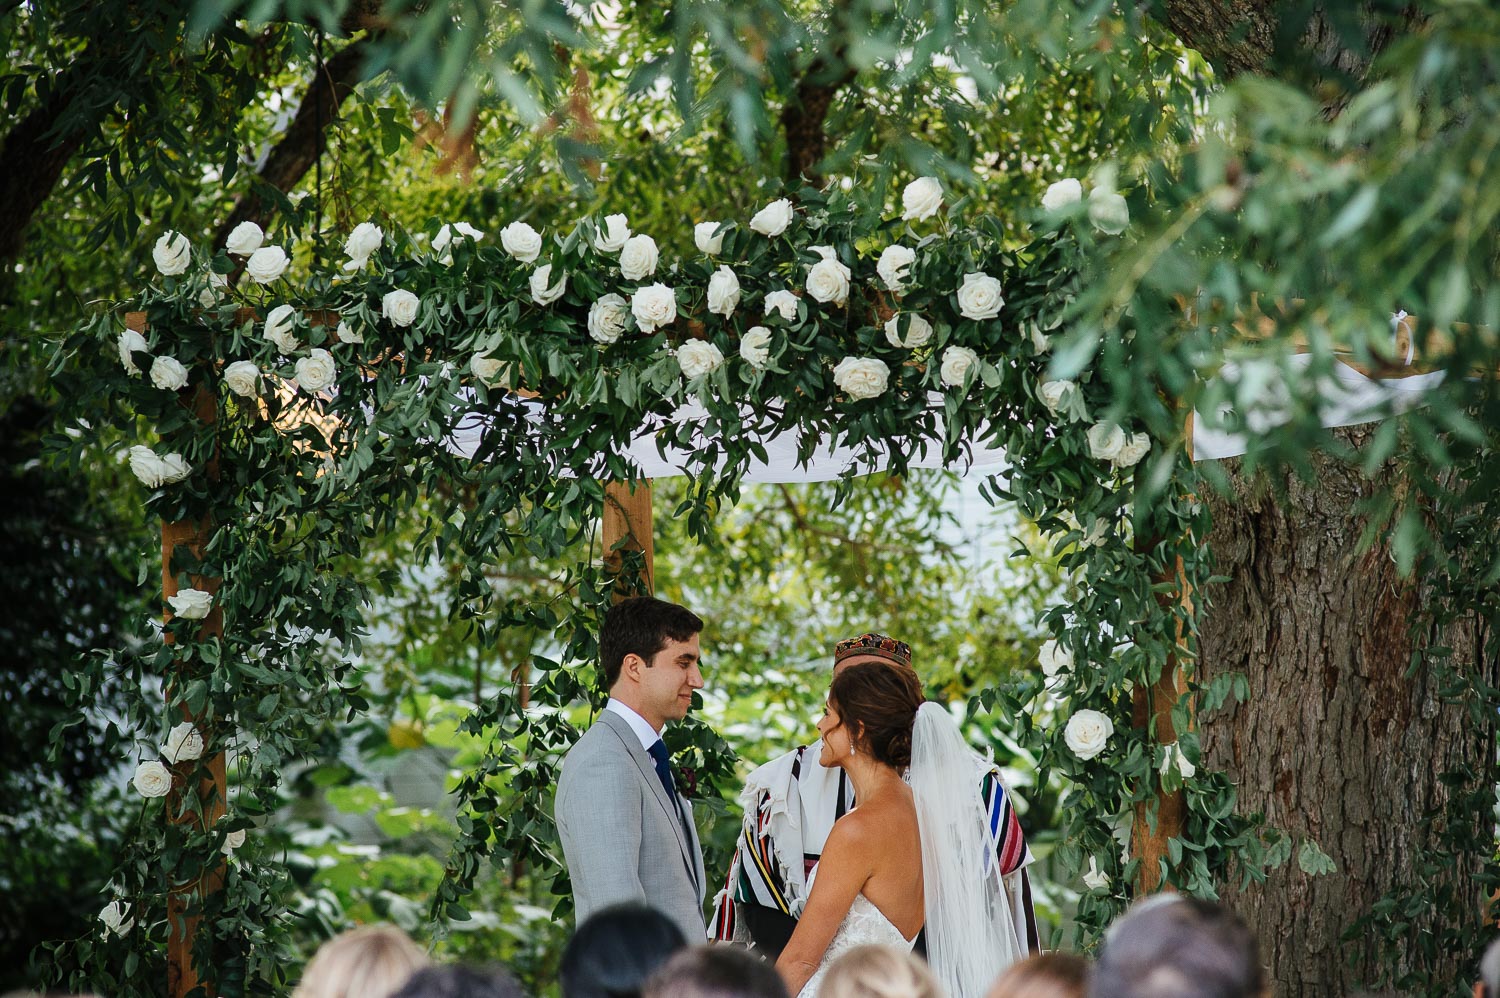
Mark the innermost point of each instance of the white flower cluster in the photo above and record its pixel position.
(1107, 209)
(1108, 442)
(154, 470)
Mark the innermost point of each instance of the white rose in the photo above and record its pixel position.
(921, 199)
(172, 254)
(782, 302)
(116, 917)
(1095, 880)
(708, 243)
(191, 604)
(828, 280)
(1053, 394)
(1055, 658)
(244, 239)
(347, 334)
(131, 342)
(1136, 446)
(147, 466)
(484, 367)
(316, 371)
(638, 258)
(1108, 211)
(918, 331)
(152, 779)
(773, 219)
(442, 243)
(862, 377)
(1061, 194)
(755, 347)
(521, 241)
(607, 318)
(184, 744)
(979, 297)
(1087, 732)
(168, 374)
(611, 238)
(956, 365)
(361, 244)
(723, 292)
(266, 264)
(174, 468)
(698, 357)
(212, 293)
(1174, 756)
(242, 377)
(400, 306)
(543, 292)
(232, 841)
(893, 264)
(280, 322)
(653, 306)
(1040, 341)
(1106, 441)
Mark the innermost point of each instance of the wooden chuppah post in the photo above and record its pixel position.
(626, 525)
(1159, 819)
(212, 792)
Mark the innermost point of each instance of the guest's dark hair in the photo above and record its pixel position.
(716, 972)
(877, 702)
(641, 626)
(1178, 947)
(616, 949)
(459, 981)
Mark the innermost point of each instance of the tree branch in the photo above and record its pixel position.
(804, 117)
(306, 137)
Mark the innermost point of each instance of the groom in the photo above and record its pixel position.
(627, 834)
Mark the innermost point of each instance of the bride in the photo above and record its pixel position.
(910, 855)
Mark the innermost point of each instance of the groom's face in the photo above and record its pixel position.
(668, 681)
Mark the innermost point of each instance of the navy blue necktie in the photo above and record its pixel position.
(658, 752)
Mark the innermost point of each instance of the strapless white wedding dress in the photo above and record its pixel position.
(864, 925)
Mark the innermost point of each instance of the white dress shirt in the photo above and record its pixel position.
(648, 735)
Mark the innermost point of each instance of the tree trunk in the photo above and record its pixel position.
(1336, 743)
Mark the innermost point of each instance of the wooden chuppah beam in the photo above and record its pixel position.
(626, 526)
(187, 803)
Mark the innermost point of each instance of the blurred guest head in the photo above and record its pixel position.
(1489, 973)
(1046, 975)
(879, 972)
(372, 961)
(459, 981)
(715, 972)
(1170, 946)
(616, 949)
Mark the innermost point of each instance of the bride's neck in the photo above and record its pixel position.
(869, 777)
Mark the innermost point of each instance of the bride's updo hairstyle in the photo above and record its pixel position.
(877, 702)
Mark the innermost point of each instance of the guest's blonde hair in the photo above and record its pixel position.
(879, 972)
(372, 961)
(1046, 975)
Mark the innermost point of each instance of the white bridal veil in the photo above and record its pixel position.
(971, 935)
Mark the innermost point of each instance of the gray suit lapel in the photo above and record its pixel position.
(647, 768)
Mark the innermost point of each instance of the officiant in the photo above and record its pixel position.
(790, 806)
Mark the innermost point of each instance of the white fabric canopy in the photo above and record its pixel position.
(1346, 398)
(781, 464)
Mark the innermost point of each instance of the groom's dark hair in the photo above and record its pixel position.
(641, 625)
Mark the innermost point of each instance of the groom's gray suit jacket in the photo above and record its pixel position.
(622, 838)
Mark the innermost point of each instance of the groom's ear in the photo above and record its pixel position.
(631, 665)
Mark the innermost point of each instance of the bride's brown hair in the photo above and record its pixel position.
(878, 702)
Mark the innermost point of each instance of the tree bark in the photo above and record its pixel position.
(1336, 743)
(1242, 36)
